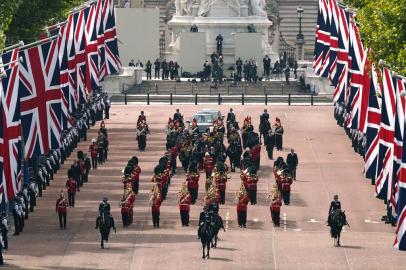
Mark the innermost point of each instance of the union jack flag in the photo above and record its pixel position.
(64, 75)
(113, 62)
(340, 78)
(102, 9)
(91, 49)
(399, 134)
(400, 240)
(80, 55)
(386, 138)
(373, 127)
(40, 98)
(321, 59)
(334, 29)
(357, 102)
(10, 129)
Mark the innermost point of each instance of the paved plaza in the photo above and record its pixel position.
(327, 166)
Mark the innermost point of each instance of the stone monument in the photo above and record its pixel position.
(228, 18)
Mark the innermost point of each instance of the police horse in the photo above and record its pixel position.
(104, 223)
(337, 220)
(218, 224)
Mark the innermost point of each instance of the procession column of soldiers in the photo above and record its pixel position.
(41, 170)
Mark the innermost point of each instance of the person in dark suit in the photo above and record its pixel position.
(292, 161)
(334, 205)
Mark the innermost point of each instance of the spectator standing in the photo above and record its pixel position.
(148, 69)
(157, 66)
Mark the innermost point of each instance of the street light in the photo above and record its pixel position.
(299, 37)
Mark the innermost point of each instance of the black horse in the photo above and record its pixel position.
(218, 224)
(234, 151)
(104, 223)
(337, 220)
(206, 234)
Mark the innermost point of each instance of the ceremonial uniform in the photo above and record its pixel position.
(193, 185)
(208, 165)
(71, 186)
(94, 150)
(252, 188)
(135, 179)
(156, 209)
(61, 209)
(221, 180)
(286, 183)
(276, 210)
(184, 207)
(242, 202)
(256, 155)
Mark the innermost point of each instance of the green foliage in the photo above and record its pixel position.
(7, 11)
(383, 30)
(32, 16)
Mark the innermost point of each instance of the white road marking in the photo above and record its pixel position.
(370, 221)
(284, 222)
(273, 247)
(312, 220)
(286, 116)
(255, 220)
(227, 217)
(297, 230)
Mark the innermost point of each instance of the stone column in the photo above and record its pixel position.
(299, 47)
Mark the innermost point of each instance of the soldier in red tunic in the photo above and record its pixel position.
(286, 183)
(156, 200)
(192, 178)
(62, 209)
(252, 185)
(208, 165)
(256, 155)
(242, 199)
(135, 176)
(220, 178)
(71, 185)
(276, 209)
(94, 151)
(184, 204)
(125, 212)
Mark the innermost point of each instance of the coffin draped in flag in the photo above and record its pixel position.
(386, 138)
(400, 240)
(40, 98)
(10, 129)
(113, 62)
(340, 77)
(373, 127)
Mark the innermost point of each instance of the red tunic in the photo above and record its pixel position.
(286, 184)
(156, 205)
(94, 150)
(276, 205)
(221, 181)
(193, 181)
(136, 174)
(71, 185)
(61, 206)
(256, 152)
(184, 202)
(125, 207)
(253, 183)
(242, 203)
(208, 164)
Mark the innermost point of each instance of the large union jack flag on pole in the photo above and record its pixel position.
(91, 49)
(373, 127)
(40, 97)
(113, 62)
(322, 45)
(10, 129)
(400, 240)
(386, 138)
(79, 58)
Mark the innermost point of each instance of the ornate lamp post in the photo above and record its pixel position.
(299, 37)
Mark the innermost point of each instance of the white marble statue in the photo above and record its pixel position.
(205, 6)
(183, 7)
(257, 7)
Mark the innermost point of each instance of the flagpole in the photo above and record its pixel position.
(9, 48)
(38, 42)
(3, 75)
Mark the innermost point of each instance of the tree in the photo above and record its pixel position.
(31, 16)
(383, 30)
(7, 11)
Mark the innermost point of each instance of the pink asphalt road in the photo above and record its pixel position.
(327, 166)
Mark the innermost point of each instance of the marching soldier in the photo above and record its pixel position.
(184, 204)
(276, 209)
(192, 178)
(242, 202)
(220, 178)
(71, 187)
(156, 201)
(208, 165)
(61, 209)
(125, 211)
(141, 118)
(264, 125)
(135, 176)
(94, 150)
(252, 184)
(286, 183)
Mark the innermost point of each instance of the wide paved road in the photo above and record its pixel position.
(328, 166)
